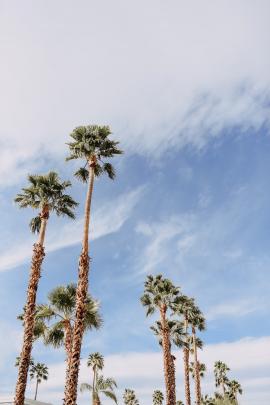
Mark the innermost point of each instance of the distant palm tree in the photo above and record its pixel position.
(47, 194)
(130, 397)
(220, 372)
(201, 367)
(186, 308)
(160, 294)
(197, 322)
(179, 403)
(38, 372)
(55, 320)
(158, 397)
(92, 144)
(100, 385)
(234, 389)
(207, 400)
(103, 386)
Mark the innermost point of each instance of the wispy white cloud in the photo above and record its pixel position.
(179, 80)
(233, 309)
(248, 358)
(107, 219)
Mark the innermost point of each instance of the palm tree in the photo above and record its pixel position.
(161, 295)
(47, 194)
(206, 400)
(220, 372)
(179, 403)
(197, 321)
(39, 372)
(201, 367)
(55, 320)
(234, 389)
(186, 307)
(130, 397)
(102, 386)
(92, 144)
(158, 397)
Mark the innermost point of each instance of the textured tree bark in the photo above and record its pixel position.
(197, 372)
(186, 369)
(167, 360)
(71, 386)
(29, 316)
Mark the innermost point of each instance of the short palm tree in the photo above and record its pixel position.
(92, 144)
(40, 373)
(186, 308)
(161, 295)
(103, 386)
(158, 398)
(100, 385)
(47, 194)
(220, 372)
(129, 397)
(197, 322)
(55, 320)
(234, 389)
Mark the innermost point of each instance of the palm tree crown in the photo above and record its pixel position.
(177, 334)
(95, 361)
(158, 398)
(159, 292)
(234, 389)
(103, 386)
(92, 144)
(46, 193)
(61, 308)
(39, 371)
(130, 397)
(220, 372)
(201, 369)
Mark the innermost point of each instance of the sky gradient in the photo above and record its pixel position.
(185, 87)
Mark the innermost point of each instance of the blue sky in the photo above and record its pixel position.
(185, 88)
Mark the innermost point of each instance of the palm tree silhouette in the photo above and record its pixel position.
(92, 144)
(47, 194)
(40, 373)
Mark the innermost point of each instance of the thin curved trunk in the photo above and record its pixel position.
(186, 368)
(167, 359)
(94, 386)
(36, 391)
(197, 372)
(30, 307)
(81, 294)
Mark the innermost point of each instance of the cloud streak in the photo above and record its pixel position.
(107, 219)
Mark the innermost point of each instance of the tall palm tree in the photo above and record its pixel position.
(197, 322)
(186, 307)
(38, 372)
(55, 320)
(103, 386)
(220, 372)
(130, 397)
(92, 144)
(96, 362)
(161, 295)
(158, 397)
(47, 194)
(234, 389)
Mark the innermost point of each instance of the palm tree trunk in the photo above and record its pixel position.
(167, 359)
(186, 369)
(36, 391)
(197, 373)
(30, 307)
(94, 386)
(81, 294)
(68, 344)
